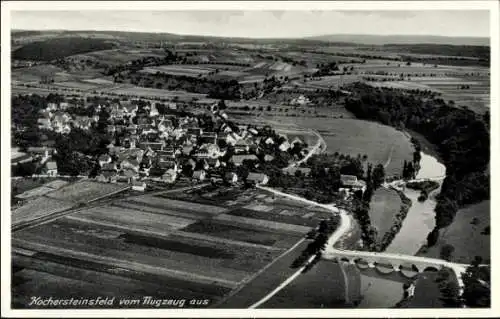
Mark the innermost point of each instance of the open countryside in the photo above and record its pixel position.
(249, 173)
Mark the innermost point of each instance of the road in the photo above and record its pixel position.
(320, 145)
(343, 228)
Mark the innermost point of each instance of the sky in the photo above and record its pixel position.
(263, 24)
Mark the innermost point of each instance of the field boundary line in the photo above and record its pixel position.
(245, 281)
(282, 285)
(175, 233)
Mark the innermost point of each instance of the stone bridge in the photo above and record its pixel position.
(409, 266)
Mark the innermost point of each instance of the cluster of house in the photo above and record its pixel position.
(55, 118)
(41, 155)
(146, 142)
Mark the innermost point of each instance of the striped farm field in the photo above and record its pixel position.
(287, 216)
(158, 209)
(247, 233)
(170, 203)
(132, 218)
(137, 258)
(263, 224)
(225, 263)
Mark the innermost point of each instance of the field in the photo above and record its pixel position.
(181, 70)
(325, 82)
(324, 286)
(476, 243)
(130, 90)
(86, 191)
(382, 144)
(35, 73)
(119, 56)
(37, 208)
(161, 247)
(445, 80)
(385, 204)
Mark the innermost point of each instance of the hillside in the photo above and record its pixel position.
(59, 48)
(401, 39)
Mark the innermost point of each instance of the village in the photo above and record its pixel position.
(149, 146)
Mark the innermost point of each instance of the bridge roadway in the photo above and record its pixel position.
(398, 262)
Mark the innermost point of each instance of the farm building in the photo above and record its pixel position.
(352, 182)
(104, 159)
(305, 171)
(170, 176)
(284, 146)
(51, 167)
(257, 178)
(300, 100)
(199, 175)
(231, 177)
(241, 146)
(238, 159)
(138, 186)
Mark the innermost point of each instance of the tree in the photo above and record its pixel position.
(445, 212)
(222, 105)
(378, 176)
(24, 169)
(477, 282)
(433, 237)
(447, 252)
(448, 288)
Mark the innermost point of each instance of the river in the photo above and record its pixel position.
(420, 219)
(382, 291)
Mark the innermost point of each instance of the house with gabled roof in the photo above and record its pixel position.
(169, 176)
(231, 177)
(128, 108)
(238, 159)
(285, 146)
(138, 186)
(241, 146)
(199, 175)
(257, 178)
(44, 123)
(51, 168)
(130, 163)
(104, 159)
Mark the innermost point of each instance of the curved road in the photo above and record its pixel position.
(312, 151)
(344, 226)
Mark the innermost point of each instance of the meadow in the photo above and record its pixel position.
(470, 223)
(385, 204)
(382, 144)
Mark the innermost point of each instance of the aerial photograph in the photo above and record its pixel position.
(272, 159)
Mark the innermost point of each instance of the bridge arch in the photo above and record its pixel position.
(431, 268)
(362, 263)
(384, 267)
(408, 270)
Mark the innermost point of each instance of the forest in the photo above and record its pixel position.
(57, 48)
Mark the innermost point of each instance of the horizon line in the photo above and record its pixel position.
(257, 38)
